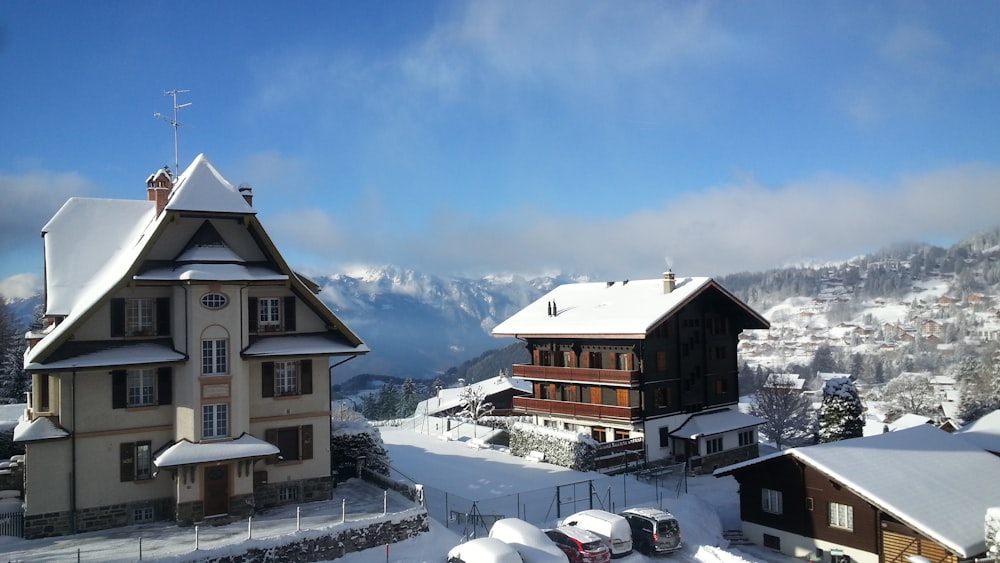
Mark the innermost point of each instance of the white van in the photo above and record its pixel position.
(612, 528)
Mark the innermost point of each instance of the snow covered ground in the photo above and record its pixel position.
(709, 507)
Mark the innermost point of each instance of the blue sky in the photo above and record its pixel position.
(460, 138)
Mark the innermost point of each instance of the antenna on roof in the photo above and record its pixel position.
(174, 123)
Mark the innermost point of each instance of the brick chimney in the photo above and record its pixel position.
(158, 187)
(669, 283)
(246, 190)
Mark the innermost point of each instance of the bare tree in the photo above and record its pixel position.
(789, 415)
(910, 393)
(474, 403)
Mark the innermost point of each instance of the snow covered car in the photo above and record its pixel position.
(579, 545)
(484, 550)
(612, 528)
(653, 531)
(530, 542)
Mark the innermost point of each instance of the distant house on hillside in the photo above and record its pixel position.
(644, 366)
(499, 391)
(184, 369)
(878, 499)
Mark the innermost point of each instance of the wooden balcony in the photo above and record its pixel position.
(578, 375)
(575, 410)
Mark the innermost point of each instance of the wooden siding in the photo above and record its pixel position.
(575, 410)
(899, 542)
(577, 375)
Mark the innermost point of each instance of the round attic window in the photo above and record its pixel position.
(214, 300)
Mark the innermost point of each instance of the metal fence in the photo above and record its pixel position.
(12, 524)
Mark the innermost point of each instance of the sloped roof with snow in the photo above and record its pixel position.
(984, 432)
(710, 423)
(189, 453)
(452, 397)
(41, 428)
(202, 188)
(937, 483)
(301, 344)
(114, 353)
(626, 309)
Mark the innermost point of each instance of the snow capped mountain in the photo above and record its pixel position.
(418, 324)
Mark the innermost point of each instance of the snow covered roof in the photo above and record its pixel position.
(302, 344)
(113, 353)
(450, 398)
(714, 422)
(202, 188)
(984, 432)
(42, 428)
(909, 420)
(212, 272)
(631, 309)
(188, 453)
(955, 478)
(785, 380)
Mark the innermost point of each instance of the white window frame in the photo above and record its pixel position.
(143, 514)
(215, 420)
(771, 501)
(214, 356)
(140, 316)
(286, 378)
(268, 313)
(141, 387)
(214, 301)
(143, 461)
(841, 516)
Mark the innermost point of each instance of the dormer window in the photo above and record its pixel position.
(271, 314)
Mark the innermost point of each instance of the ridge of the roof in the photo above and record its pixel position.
(202, 188)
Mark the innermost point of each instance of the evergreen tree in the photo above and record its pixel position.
(14, 382)
(841, 414)
(979, 388)
(823, 361)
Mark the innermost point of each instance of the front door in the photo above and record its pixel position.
(216, 490)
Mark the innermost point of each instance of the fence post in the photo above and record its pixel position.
(590, 491)
(250, 528)
(343, 511)
(140, 548)
(298, 518)
(196, 538)
(385, 502)
(447, 514)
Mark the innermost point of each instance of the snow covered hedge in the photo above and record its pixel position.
(561, 447)
(351, 439)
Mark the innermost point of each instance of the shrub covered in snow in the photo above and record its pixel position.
(993, 531)
(561, 447)
(350, 440)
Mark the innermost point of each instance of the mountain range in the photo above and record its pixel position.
(419, 325)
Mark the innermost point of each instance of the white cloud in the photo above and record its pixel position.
(20, 286)
(737, 227)
(30, 200)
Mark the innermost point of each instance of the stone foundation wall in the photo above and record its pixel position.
(93, 519)
(326, 548)
(308, 490)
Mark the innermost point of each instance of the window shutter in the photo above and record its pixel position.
(119, 389)
(162, 316)
(127, 461)
(117, 317)
(267, 379)
(289, 313)
(164, 386)
(252, 314)
(305, 366)
(271, 436)
(306, 433)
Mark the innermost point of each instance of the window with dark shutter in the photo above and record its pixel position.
(306, 377)
(252, 314)
(289, 313)
(117, 307)
(126, 463)
(164, 386)
(307, 441)
(267, 379)
(163, 316)
(119, 389)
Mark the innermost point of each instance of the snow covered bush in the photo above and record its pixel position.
(561, 447)
(993, 532)
(841, 416)
(349, 440)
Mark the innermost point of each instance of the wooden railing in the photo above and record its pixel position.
(578, 375)
(576, 410)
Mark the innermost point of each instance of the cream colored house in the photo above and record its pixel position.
(184, 369)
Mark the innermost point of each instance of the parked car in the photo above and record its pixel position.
(579, 545)
(653, 531)
(612, 528)
(484, 550)
(530, 542)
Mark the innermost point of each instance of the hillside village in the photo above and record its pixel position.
(182, 350)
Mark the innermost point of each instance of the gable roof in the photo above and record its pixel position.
(629, 309)
(937, 483)
(984, 432)
(94, 246)
(452, 397)
(713, 422)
